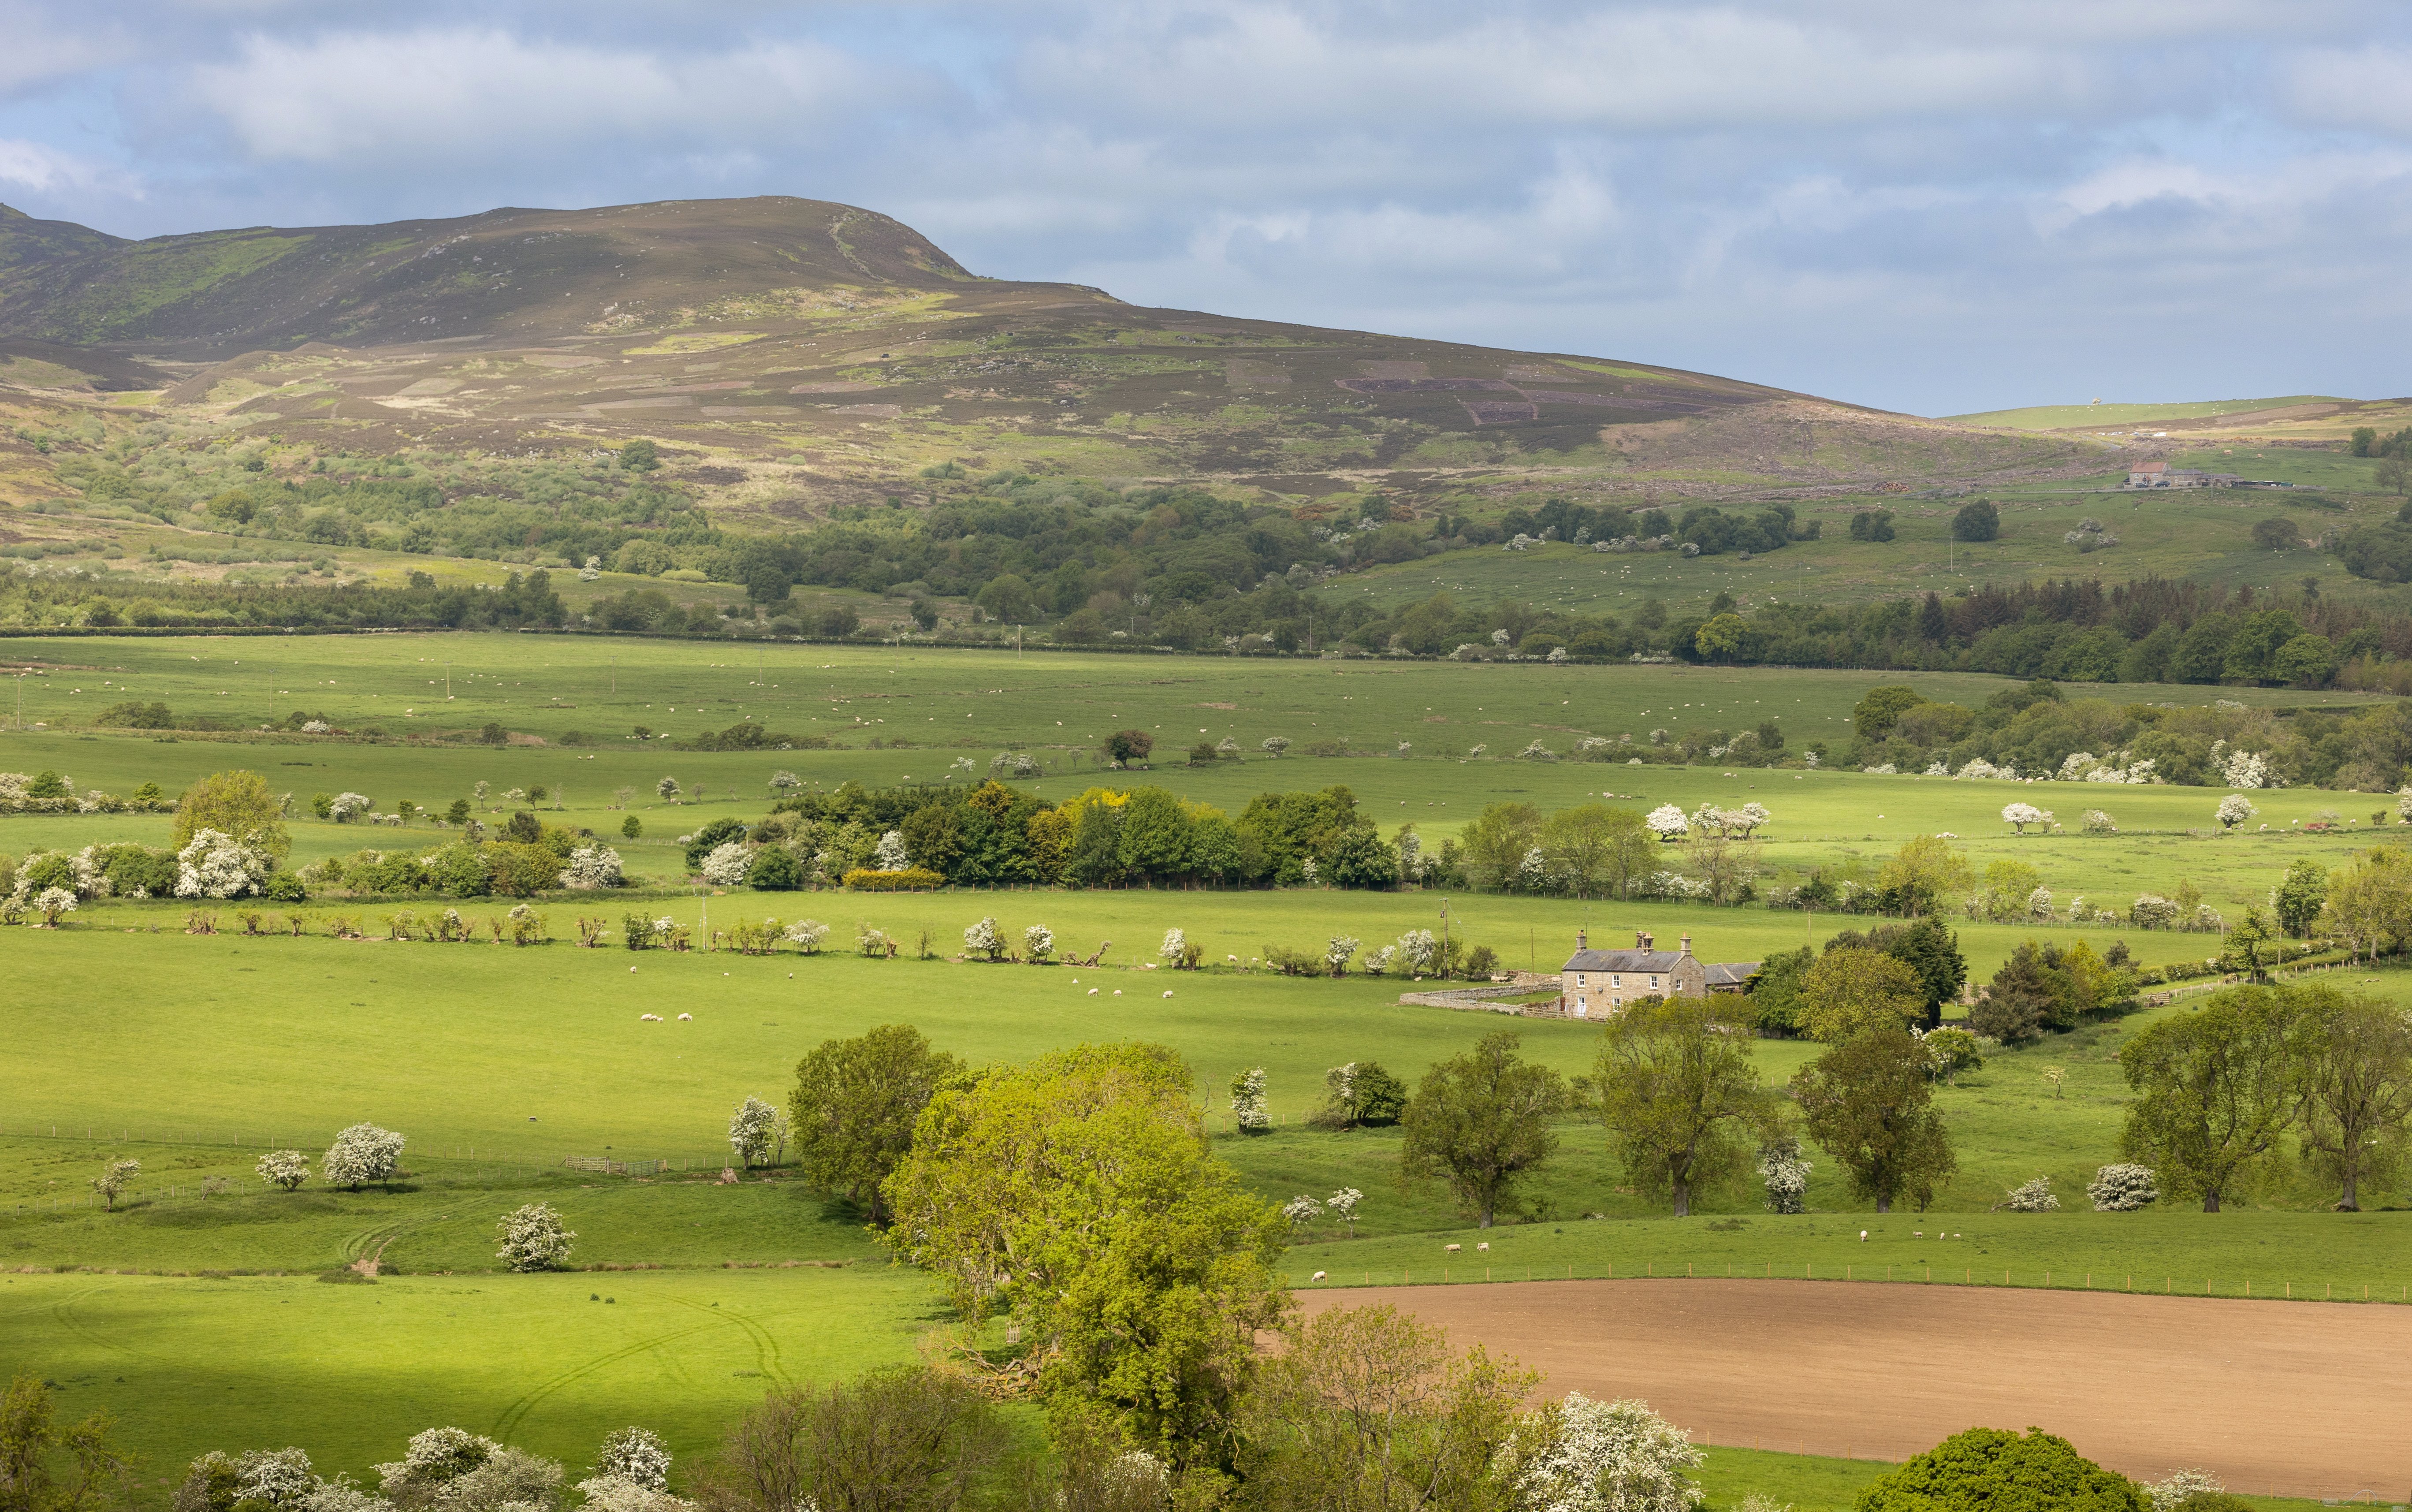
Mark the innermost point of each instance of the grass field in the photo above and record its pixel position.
(2067, 417)
(193, 1053)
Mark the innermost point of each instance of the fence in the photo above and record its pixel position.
(1459, 1271)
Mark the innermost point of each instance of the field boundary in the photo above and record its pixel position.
(2112, 1282)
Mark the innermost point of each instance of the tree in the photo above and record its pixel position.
(1999, 1471)
(2276, 532)
(285, 1170)
(1720, 636)
(1880, 708)
(1366, 1411)
(903, 1439)
(235, 804)
(31, 1442)
(2234, 810)
(1479, 1122)
(1977, 522)
(638, 456)
(1595, 848)
(114, 1177)
(752, 1130)
(2215, 1089)
(1870, 1102)
(1077, 1193)
(855, 1104)
(1577, 1455)
(1497, 842)
(1933, 953)
(2301, 897)
(2018, 815)
(1679, 1093)
(2370, 902)
(1128, 748)
(533, 1238)
(1919, 876)
(1362, 1093)
(2355, 1055)
(361, 1154)
(1852, 990)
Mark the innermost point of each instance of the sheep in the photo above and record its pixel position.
(1318, 1275)
(1451, 1249)
(684, 1016)
(1092, 991)
(1485, 1246)
(1168, 995)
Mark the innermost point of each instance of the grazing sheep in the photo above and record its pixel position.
(684, 1016)
(1092, 991)
(1485, 1246)
(1318, 1275)
(1168, 995)
(1451, 1249)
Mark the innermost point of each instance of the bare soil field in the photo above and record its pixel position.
(2275, 1398)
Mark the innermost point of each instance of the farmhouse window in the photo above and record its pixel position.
(1653, 981)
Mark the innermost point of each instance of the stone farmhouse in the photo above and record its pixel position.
(2160, 475)
(1596, 982)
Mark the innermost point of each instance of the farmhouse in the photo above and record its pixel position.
(2160, 475)
(1608, 980)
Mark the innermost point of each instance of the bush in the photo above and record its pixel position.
(533, 1238)
(712, 837)
(1994, 1470)
(284, 1169)
(284, 888)
(1481, 961)
(2033, 1197)
(2122, 1188)
(1978, 522)
(774, 869)
(361, 1154)
(908, 879)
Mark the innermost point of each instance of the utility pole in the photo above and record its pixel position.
(448, 681)
(1444, 935)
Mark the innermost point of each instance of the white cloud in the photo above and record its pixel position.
(45, 170)
(2368, 88)
(362, 95)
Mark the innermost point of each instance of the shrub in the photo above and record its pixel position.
(361, 1154)
(533, 1238)
(908, 879)
(724, 865)
(1785, 1177)
(752, 1130)
(2234, 810)
(1361, 1092)
(807, 934)
(1481, 961)
(1290, 962)
(985, 940)
(1977, 522)
(1248, 1101)
(2122, 1188)
(285, 1170)
(1037, 942)
(1578, 1455)
(1994, 1470)
(2033, 1197)
(2194, 1490)
(637, 1455)
(591, 867)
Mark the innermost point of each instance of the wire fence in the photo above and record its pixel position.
(2252, 1288)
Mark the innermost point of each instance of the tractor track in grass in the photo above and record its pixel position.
(509, 1421)
(2278, 1398)
(766, 1345)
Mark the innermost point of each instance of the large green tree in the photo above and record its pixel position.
(33, 1441)
(1077, 1193)
(236, 804)
(855, 1106)
(1479, 1122)
(2216, 1088)
(2355, 1055)
(1679, 1093)
(1870, 1102)
(1994, 1470)
(1598, 849)
(1854, 988)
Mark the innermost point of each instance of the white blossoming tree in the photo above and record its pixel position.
(806, 935)
(1420, 951)
(783, 783)
(2018, 815)
(1342, 1204)
(637, 1455)
(985, 940)
(1708, 819)
(2183, 1487)
(1668, 823)
(1275, 745)
(361, 1154)
(1785, 1177)
(752, 1130)
(1336, 953)
(1302, 1211)
(53, 904)
(1249, 1102)
(724, 865)
(285, 1170)
(1377, 961)
(1037, 944)
(347, 806)
(215, 865)
(890, 854)
(2151, 911)
(1175, 949)
(592, 867)
(534, 1238)
(2123, 1188)
(2234, 810)
(2033, 1195)
(1746, 818)
(667, 787)
(1579, 1455)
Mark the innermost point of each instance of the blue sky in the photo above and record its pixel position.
(1933, 207)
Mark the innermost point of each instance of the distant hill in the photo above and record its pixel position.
(2197, 415)
(789, 354)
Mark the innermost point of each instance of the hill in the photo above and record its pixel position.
(799, 355)
(2289, 414)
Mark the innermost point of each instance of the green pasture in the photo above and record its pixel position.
(2200, 535)
(2081, 417)
(350, 1372)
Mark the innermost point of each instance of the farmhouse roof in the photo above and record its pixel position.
(1732, 973)
(1657, 960)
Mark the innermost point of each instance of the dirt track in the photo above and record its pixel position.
(2301, 1399)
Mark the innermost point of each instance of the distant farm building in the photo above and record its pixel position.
(1607, 980)
(2160, 475)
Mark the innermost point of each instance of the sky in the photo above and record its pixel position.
(1936, 207)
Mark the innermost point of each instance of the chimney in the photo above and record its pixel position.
(1687, 945)
(1582, 939)
(1641, 940)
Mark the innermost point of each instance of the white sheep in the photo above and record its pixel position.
(684, 1016)
(1484, 1246)
(1451, 1249)
(1092, 991)
(1168, 995)
(1118, 991)
(1318, 1275)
